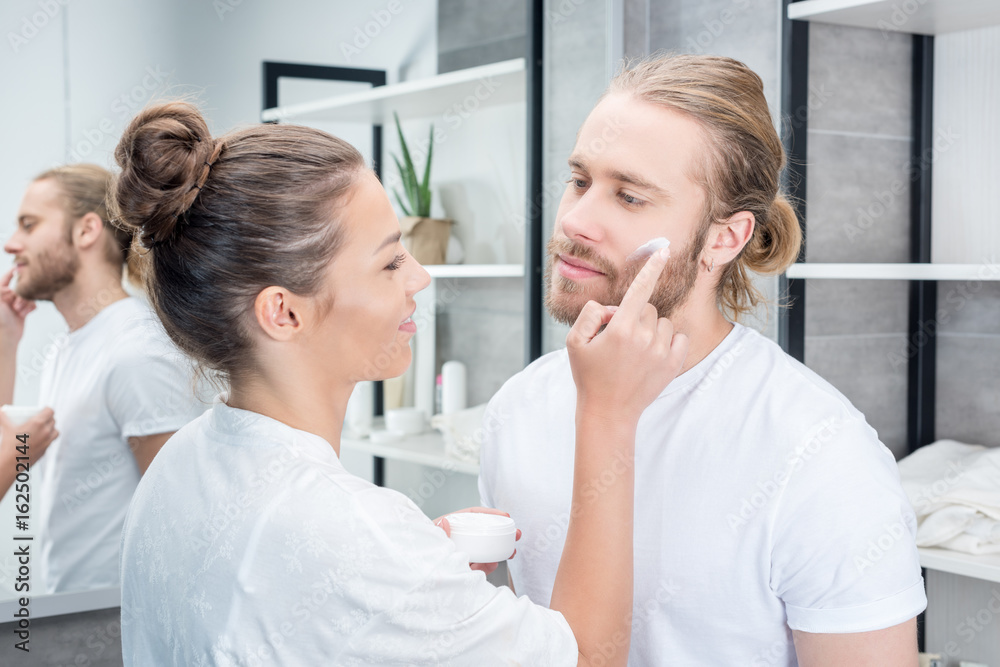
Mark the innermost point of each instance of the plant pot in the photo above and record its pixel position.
(426, 238)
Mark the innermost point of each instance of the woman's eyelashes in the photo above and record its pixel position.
(396, 262)
(628, 200)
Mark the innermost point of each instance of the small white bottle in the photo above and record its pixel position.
(360, 410)
(453, 391)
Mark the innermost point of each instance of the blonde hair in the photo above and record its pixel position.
(84, 189)
(744, 163)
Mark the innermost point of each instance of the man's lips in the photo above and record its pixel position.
(573, 268)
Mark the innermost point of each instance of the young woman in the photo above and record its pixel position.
(275, 260)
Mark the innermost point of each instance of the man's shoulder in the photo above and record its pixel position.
(539, 378)
(774, 375)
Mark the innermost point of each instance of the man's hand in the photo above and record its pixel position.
(41, 430)
(442, 523)
(13, 310)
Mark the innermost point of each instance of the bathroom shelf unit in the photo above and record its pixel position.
(489, 85)
(426, 449)
(931, 17)
(937, 272)
(475, 270)
(985, 567)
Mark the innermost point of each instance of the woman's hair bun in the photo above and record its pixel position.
(164, 155)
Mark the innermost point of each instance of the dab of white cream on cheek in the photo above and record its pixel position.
(648, 248)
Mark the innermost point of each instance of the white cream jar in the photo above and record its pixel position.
(486, 538)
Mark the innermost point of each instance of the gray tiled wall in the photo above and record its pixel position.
(576, 73)
(483, 326)
(472, 32)
(968, 362)
(90, 638)
(858, 211)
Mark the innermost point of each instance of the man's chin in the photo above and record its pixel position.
(566, 307)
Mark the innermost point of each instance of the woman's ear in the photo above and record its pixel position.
(278, 312)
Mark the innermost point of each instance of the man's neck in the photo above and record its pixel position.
(704, 325)
(87, 295)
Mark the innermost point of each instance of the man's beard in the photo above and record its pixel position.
(50, 271)
(564, 298)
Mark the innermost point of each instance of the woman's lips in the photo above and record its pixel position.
(408, 325)
(575, 269)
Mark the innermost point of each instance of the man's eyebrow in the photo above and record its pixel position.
(639, 182)
(394, 238)
(624, 177)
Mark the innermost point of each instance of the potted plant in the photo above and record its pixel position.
(424, 237)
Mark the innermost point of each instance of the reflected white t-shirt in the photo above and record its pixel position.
(116, 377)
(248, 543)
(764, 503)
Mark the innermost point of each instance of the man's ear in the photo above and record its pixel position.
(87, 230)
(279, 313)
(726, 240)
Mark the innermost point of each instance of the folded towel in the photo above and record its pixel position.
(463, 432)
(955, 491)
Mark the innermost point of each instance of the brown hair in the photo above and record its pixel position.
(744, 164)
(84, 189)
(225, 218)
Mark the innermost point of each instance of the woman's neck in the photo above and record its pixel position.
(306, 403)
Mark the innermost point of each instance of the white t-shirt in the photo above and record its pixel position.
(248, 543)
(764, 502)
(116, 377)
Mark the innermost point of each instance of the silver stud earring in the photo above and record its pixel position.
(712, 266)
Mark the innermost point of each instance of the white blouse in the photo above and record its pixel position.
(248, 543)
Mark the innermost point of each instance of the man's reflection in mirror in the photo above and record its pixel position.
(117, 388)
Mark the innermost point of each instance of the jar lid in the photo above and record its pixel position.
(479, 523)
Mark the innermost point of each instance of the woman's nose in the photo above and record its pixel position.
(418, 279)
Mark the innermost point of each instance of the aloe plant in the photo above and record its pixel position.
(417, 193)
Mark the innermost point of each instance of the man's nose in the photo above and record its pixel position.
(13, 245)
(584, 222)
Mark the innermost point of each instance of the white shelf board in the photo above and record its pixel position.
(986, 567)
(458, 92)
(927, 17)
(59, 604)
(475, 270)
(895, 271)
(426, 449)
